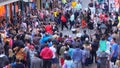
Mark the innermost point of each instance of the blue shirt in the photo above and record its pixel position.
(69, 63)
(70, 51)
(77, 55)
(72, 17)
(115, 49)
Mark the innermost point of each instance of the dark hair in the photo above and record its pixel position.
(114, 39)
(35, 54)
(17, 60)
(61, 34)
(84, 31)
(66, 48)
(68, 57)
(46, 45)
(77, 46)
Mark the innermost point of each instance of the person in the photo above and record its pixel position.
(77, 57)
(72, 20)
(64, 22)
(87, 48)
(102, 43)
(48, 28)
(95, 46)
(36, 62)
(84, 36)
(6, 47)
(19, 64)
(3, 59)
(54, 58)
(46, 54)
(114, 51)
(78, 6)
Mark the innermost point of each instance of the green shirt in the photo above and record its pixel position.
(103, 45)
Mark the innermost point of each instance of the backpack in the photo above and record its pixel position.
(63, 19)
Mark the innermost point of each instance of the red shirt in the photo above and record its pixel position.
(46, 53)
(48, 29)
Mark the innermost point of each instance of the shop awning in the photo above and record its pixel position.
(28, 0)
(4, 2)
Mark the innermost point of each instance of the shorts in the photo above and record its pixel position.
(54, 60)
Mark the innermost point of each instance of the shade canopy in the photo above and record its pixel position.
(4, 2)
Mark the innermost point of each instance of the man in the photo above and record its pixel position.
(102, 44)
(78, 6)
(77, 57)
(48, 28)
(54, 58)
(95, 46)
(64, 22)
(84, 36)
(3, 59)
(72, 18)
(46, 54)
(36, 62)
(114, 50)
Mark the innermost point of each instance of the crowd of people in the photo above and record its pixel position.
(36, 41)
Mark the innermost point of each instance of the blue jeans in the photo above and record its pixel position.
(77, 64)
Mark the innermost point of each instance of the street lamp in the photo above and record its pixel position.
(103, 28)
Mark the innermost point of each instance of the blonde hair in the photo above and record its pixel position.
(10, 53)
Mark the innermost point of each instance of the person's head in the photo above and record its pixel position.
(103, 37)
(77, 46)
(46, 45)
(32, 48)
(87, 42)
(27, 41)
(84, 31)
(35, 55)
(17, 61)
(66, 48)
(68, 57)
(112, 41)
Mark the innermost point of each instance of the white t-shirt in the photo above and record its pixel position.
(53, 51)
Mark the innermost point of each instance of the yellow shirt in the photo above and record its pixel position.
(74, 3)
(55, 13)
(118, 25)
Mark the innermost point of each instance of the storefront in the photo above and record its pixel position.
(11, 8)
(117, 5)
